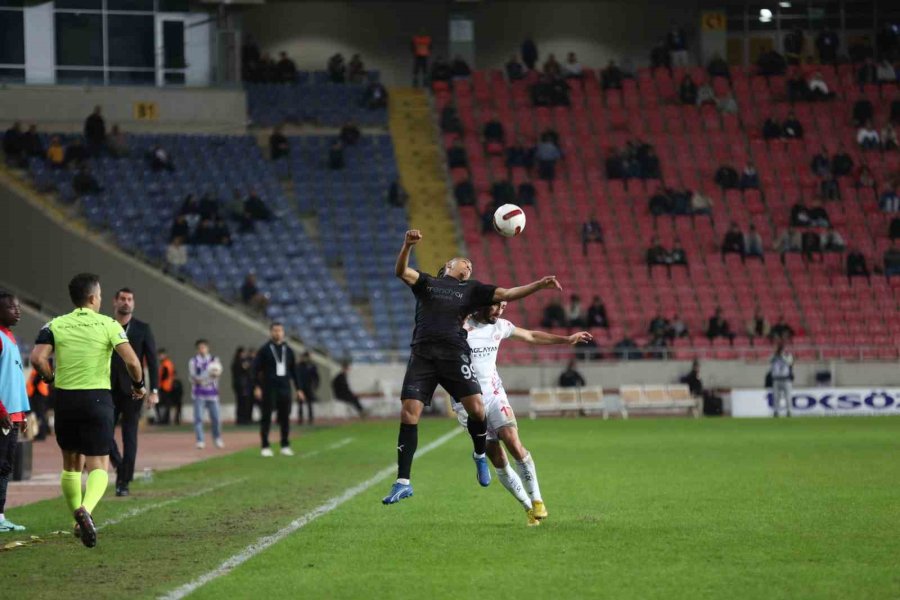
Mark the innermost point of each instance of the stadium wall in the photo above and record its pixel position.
(310, 32)
(47, 253)
(209, 109)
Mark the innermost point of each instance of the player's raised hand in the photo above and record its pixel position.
(581, 337)
(413, 236)
(549, 283)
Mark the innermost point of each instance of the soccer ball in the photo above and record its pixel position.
(509, 220)
(214, 369)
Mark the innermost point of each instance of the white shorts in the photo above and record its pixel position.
(498, 413)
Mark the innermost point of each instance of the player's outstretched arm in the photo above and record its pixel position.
(523, 291)
(542, 338)
(401, 269)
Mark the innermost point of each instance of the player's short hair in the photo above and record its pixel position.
(275, 324)
(200, 341)
(82, 286)
(6, 295)
(124, 290)
(160, 350)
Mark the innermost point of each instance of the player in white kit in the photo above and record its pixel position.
(485, 332)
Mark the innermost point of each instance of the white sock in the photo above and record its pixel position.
(2, 517)
(477, 455)
(528, 473)
(510, 480)
(403, 481)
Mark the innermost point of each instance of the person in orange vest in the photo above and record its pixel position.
(421, 49)
(166, 385)
(38, 392)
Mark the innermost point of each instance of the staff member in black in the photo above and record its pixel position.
(441, 355)
(127, 409)
(308, 374)
(273, 370)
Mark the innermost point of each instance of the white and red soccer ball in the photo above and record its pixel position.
(509, 220)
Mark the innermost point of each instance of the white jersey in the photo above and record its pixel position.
(484, 340)
(782, 366)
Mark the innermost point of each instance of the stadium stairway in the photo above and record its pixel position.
(421, 166)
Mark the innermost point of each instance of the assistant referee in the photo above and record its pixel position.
(82, 342)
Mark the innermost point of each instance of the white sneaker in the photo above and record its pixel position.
(220, 443)
(267, 452)
(201, 445)
(286, 451)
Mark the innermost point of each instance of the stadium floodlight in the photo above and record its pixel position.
(765, 15)
(784, 4)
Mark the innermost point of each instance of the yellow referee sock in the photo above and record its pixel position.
(97, 481)
(70, 481)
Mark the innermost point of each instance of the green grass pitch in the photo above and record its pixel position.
(642, 509)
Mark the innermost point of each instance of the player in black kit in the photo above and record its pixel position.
(441, 355)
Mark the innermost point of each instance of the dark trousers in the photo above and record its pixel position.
(310, 399)
(354, 402)
(8, 444)
(420, 65)
(276, 399)
(244, 400)
(127, 411)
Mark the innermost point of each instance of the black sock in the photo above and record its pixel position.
(407, 442)
(478, 431)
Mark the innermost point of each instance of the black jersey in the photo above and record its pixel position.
(442, 305)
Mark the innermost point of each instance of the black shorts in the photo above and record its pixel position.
(429, 366)
(84, 421)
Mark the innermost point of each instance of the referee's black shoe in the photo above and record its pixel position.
(122, 490)
(86, 524)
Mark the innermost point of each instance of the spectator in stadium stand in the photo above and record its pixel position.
(397, 195)
(660, 57)
(700, 203)
(375, 96)
(865, 178)
(529, 53)
(570, 377)
(456, 156)
(718, 327)
(867, 74)
(356, 70)
(502, 192)
(591, 233)
(547, 154)
(518, 155)
(554, 315)
(799, 215)
(841, 163)
(464, 192)
(733, 243)
(727, 104)
(857, 267)
(208, 206)
(753, 244)
(180, 228)
(160, 160)
(350, 134)
(421, 51)
(575, 313)
(242, 386)
(895, 112)
(308, 374)
(862, 111)
(656, 255)
(771, 130)
(95, 131)
(494, 134)
(889, 137)
(596, 314)
(885, 72)
(705, 95)
(829, 189)
(221, 232)
(781, 331)
(336, 68)
(84, 183)
(678, 328)
(717, 67)
(727, 178)
(818, 216)
(440, 70)
(572, 69)
(649, 163)
(56, 153)
(626, 348)
(797, 87)
(251, 295)
(894, 229)
(286, 69)
(749, 177)
(552, 68)
(450, 122)
(867, 137)
(336, 156)
(12, 144)
(32, 147)
(676, 42)
(117, 142)
(892, 259)
(889, 201)
(515, 70)
(771, 64)
(176, 256)
(659, 327)
(278, 144)
(678, 256)
(75, 153)
(687, 91)
(256, 208)
(460, 68)
(821, 164)
(827, 43)
(788, 241)
(818, 88)
(793, 46)
(792, 128)
(832, 241)
(758, 326)
(526, 195)
(611, 77)
(811, 243)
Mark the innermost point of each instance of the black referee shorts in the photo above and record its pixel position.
(84, 421)
(428, 367)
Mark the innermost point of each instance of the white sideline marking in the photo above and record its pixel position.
(334, 446)
(142, 509)
(269, 540)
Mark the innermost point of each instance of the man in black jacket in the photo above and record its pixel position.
(126, 407)
(340, 388)
(274, 368)
(308, 375)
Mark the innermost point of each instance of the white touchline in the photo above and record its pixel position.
(267, 541)
(142, 509)
(334, 446)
